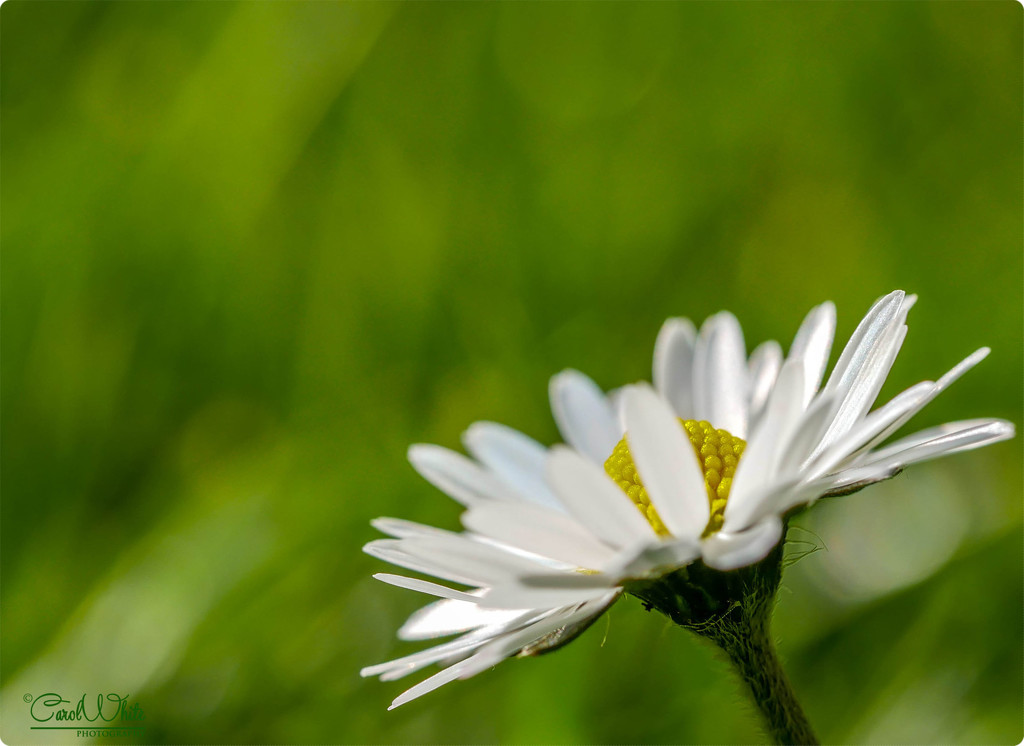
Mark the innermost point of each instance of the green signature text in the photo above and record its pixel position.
(52, 707)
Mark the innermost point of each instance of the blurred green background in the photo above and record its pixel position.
(251, 251)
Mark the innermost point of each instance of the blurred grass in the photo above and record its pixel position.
(251, 251)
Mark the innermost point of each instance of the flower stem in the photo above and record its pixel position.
(748, 643)
(733, 610)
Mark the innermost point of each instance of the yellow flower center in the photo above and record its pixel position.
(718, 452)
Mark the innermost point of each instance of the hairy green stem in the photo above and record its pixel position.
(733, 610)
(749, 645)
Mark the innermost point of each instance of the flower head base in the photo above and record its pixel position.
(718, 452)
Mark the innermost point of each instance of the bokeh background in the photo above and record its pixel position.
(251, 251)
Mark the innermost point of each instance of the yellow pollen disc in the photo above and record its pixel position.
(718, 453)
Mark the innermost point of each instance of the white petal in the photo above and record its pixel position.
(701, 390)
(403, 529)
(541, 591)
(460, 554)
(813, 343)
(728, 551)
(854, 477)
(666, 463)
(572, 621)
(443, 658)
(867, 334)
(772, 498)
(428, 685)
(673, 365)
(424, 586)
(668, 554)
(806, 435)
(724, 376)
(502, 622)
(399, 667)
(576, 617)
(922, 436)
(962, 367)
(615, 401)
(393, 551)
(757, 467)
(447, 617)
(513, 456)
(462, 669)
(575, 581)
(584, 415)
(858, 400)
(540, 531)
(596, 501)
(765, 363)
(514, 641)
(547, 562)
(458, 476)
(941, 385)
(867, 428)
(943, 440)
(860, 373)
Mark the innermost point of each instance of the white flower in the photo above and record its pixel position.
(553, 537)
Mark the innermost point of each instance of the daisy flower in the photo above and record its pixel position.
(676, 493)
(508, 469)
